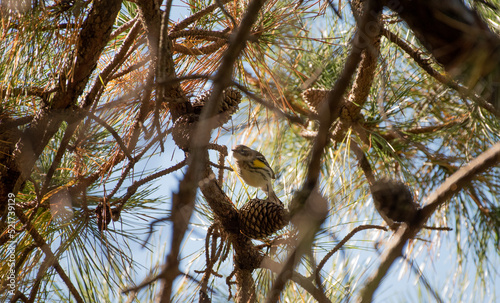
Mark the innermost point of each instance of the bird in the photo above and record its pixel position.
(254, 169)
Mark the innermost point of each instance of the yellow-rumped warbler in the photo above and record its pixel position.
(253, 168)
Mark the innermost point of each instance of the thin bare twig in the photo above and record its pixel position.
(204, 50)
(131, 190)
(342, 243)
(196, 16)
(444, 228)
(292, 118)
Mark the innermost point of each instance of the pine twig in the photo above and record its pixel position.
(131, 190)
(204, 50)
(196, 16)
(200, 33)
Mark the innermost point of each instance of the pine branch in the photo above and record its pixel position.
(450, 186)
(103, 78)
(304, 282)
(426, 65)
(328, 114)
(91, 41)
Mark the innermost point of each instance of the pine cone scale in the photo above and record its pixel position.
(261, 218)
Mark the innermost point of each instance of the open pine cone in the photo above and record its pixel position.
(185, 125)
(183, 129)
(261, 218)
(231, 98)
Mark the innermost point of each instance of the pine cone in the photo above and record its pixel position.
(183, 129)
(394, 201)
(200, 101)
(261, 218)
(314, 97)
(231, 98)
(184, 126)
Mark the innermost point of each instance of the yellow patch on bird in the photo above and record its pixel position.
(257, 163)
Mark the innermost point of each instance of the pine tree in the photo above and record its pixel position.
(380, 119)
